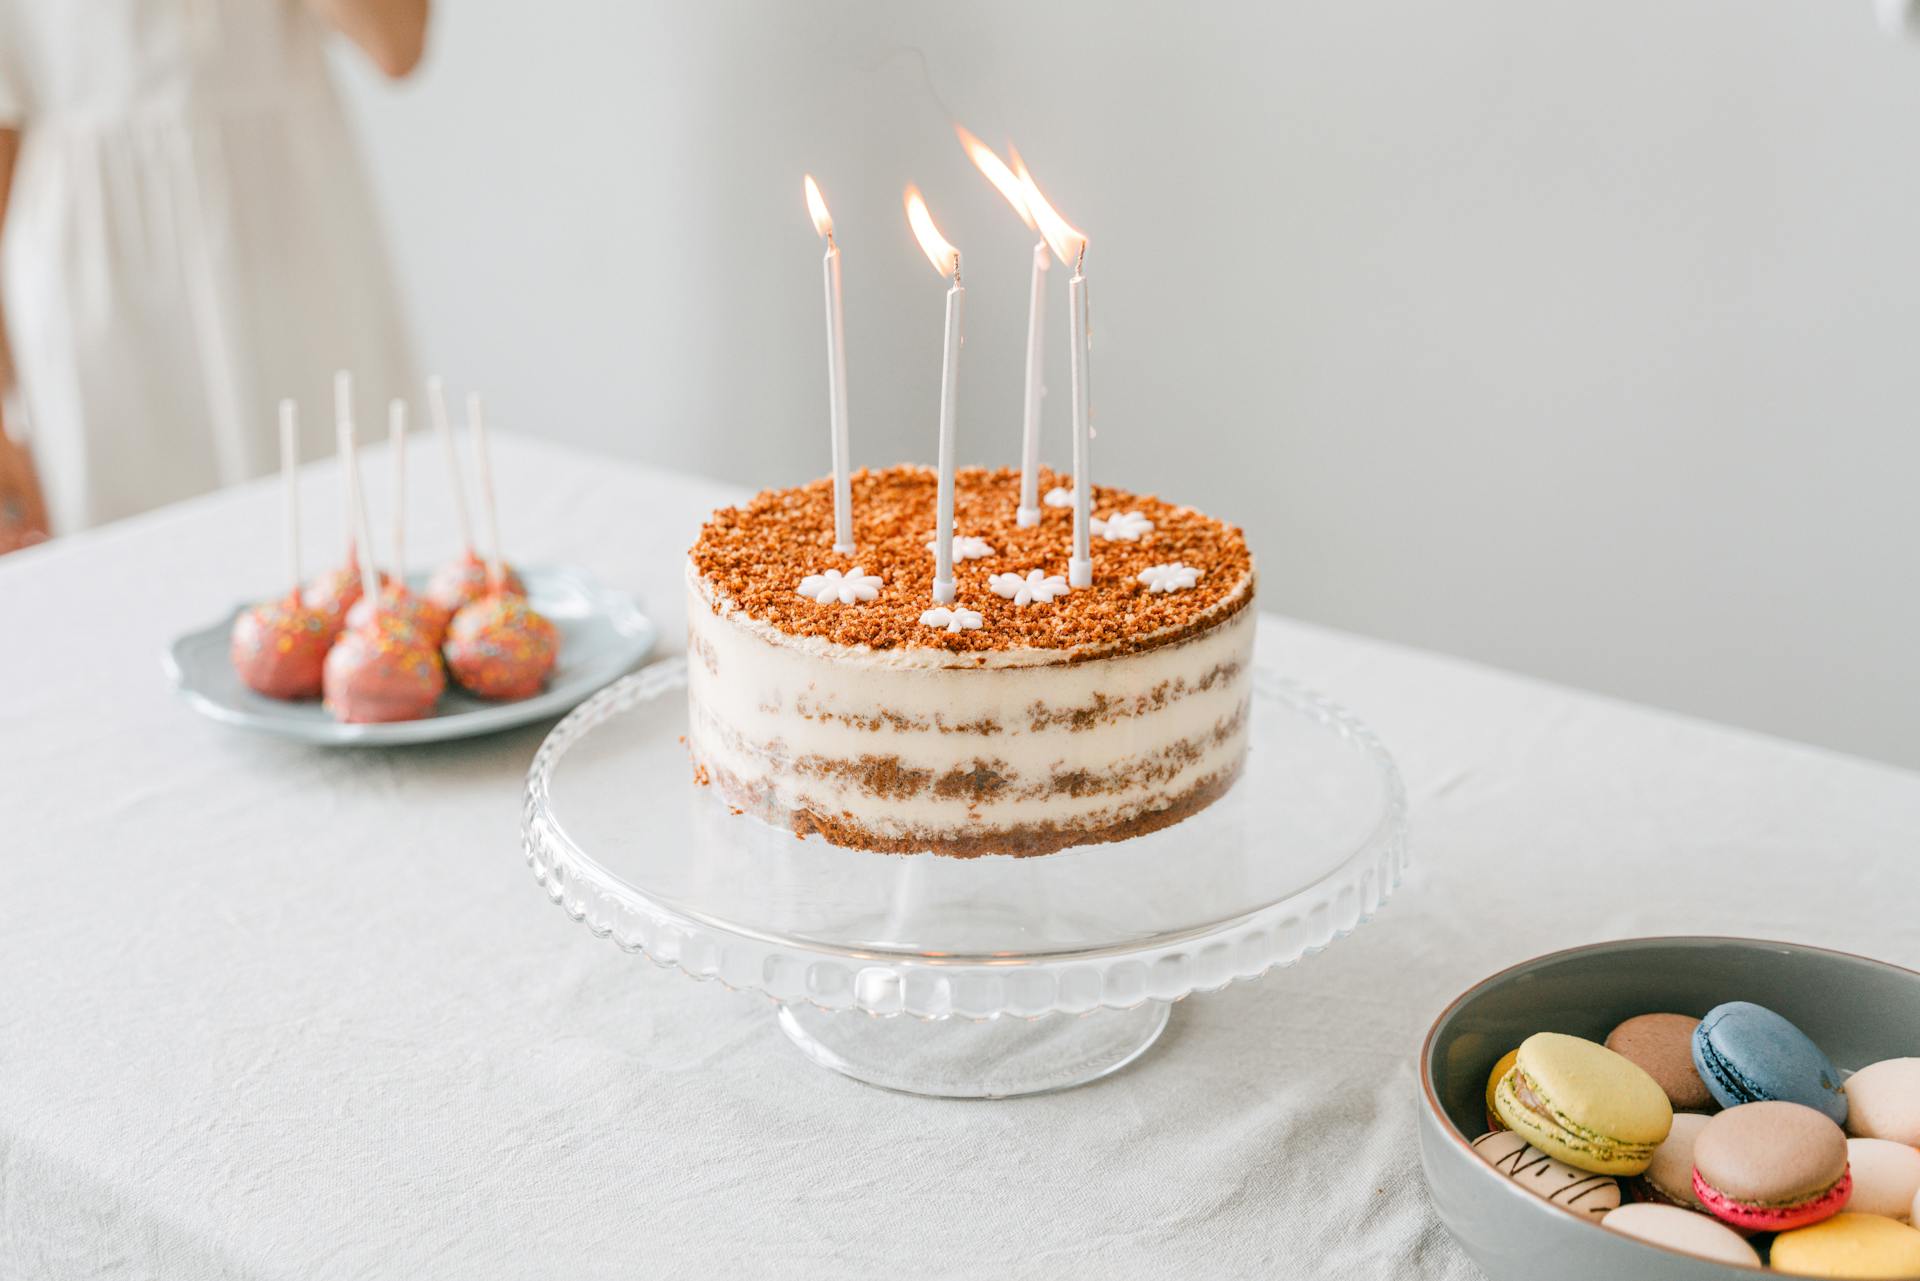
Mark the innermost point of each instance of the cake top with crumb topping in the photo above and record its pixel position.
(755, 558)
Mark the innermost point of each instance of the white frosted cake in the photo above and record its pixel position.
(827, 694)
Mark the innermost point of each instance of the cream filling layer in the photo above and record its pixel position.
(1068, 742)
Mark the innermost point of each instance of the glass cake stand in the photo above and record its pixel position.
(975, 978)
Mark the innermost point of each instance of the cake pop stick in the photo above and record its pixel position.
(290, 476)
(443, 427)
(369, 576)
(382, 669)
(343, 417)
(279, 646)
(477, 424)
(397, 442)
(498, 646)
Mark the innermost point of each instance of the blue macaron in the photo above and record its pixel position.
(1746, 1053)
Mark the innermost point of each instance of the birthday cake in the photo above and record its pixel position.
(830, 694)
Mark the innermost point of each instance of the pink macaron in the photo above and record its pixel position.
(1771, 1167)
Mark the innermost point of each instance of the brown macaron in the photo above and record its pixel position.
(1661, 1045)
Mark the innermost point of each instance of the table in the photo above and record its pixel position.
(283, 1012)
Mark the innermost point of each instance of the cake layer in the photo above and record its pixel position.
(889, 751)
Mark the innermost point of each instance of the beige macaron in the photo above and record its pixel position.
(1886, 1177)
(1883, 1101)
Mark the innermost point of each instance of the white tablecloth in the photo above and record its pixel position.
(278, 1012)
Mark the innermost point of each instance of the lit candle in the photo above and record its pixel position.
(836, 375)
(1008, 184)
(1072, 248)
(946, 260)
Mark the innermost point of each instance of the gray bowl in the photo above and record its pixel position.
(1858, 1011)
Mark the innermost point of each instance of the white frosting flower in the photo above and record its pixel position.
(835, 588)
(1174, 577)
(1130, 526)
(1038, 585)
(956, 619)
(1059, 496)
(966, 548)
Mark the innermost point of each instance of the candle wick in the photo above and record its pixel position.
(1080, 261)
(829, 240)
(956, 266)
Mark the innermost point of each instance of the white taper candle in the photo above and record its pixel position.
(1029, 510)
(943, 588)
(836, 373)
(837, 405)
(1080, 565)
(290, 476)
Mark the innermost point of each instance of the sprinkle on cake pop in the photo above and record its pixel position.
(279, 646)
(382, 669)
(397, 601)
(466, 577)
(498, 646)
(334, 592)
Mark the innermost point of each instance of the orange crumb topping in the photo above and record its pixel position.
(756, 555)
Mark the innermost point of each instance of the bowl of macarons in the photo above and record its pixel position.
(1679, 1109)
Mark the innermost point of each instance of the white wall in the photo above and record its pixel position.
(1580, 339)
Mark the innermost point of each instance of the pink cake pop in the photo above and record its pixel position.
(279, 645)
(498, 646)
(466, 577)
(397, 601)
(383, 669)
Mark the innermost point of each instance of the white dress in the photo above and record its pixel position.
(189, 239)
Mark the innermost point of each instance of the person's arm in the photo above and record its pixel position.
(9, 148)
(392, 33)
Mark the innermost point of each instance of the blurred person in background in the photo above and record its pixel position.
(185, 237)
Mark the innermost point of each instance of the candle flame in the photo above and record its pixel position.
(989, 163)
(944, 257)
(1067, 244)
(822, 220)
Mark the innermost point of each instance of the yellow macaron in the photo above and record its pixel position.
(1576, 1100)
(1849, 1245)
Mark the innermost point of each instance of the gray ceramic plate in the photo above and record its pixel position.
(1858, 1011)
(603, 635)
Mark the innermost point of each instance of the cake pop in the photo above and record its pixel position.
(466, 577)
(382, 669)
(334, 592)
(279, 645)
(498, 646)
(396, 599)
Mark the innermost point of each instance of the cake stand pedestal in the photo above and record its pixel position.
(965, 978)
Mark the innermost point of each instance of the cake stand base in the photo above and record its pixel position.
(965, 1059)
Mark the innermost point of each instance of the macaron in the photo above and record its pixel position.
(1670, 1176)
(1849, 1245)
(1886, 1177)
(1581, 1103)
(1662, 1045)
(1771, 1166)
(1500, 1069)
(1746, 1053)
(1589, 1195)
(1682, 1230)
(1883, 1101)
